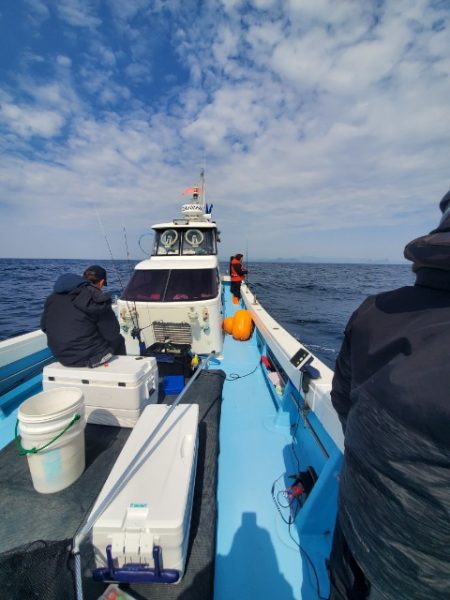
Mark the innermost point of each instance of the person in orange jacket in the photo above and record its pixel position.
(237, 273)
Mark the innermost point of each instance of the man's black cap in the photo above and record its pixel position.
(95, 273)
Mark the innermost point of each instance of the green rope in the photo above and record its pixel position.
(23, 451)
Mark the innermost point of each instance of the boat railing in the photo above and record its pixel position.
(284, 346)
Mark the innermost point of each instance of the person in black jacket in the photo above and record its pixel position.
(391, 390)
(81, 327)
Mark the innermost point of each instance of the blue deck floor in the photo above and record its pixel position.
(256, 558)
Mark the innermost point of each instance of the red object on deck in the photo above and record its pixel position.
(266, 363)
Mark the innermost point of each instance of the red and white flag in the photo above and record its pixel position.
(192, 190)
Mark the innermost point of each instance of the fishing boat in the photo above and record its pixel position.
(265, 449)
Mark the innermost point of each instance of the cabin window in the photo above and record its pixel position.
(191, 241)
(198, 241)
(146, 286)
(167, 242)
(172, 285)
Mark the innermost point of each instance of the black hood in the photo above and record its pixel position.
(432, 250)
(68, 282)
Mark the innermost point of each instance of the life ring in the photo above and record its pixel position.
(169, 237)
(195, 239)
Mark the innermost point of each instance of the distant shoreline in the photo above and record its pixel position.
(306, 261)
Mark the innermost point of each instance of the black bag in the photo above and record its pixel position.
(172, 359)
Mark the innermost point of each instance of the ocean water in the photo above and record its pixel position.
(312, 301)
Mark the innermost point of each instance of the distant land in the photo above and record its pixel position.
(326, 260)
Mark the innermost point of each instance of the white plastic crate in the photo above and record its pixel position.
(154, 508)
(115, 393)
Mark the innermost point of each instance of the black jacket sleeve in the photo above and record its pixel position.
(44, 317)
(108, 326)
(342, 380)
(92, 301)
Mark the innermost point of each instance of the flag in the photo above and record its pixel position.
(192, 190)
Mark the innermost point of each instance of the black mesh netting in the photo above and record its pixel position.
(37, 571)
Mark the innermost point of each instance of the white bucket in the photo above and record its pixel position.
(41, 418)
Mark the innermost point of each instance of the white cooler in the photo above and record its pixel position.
(152, 514)
(115, 393)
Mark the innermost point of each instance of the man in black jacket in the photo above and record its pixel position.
(391, 390)
(81, 327)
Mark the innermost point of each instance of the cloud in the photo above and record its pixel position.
(28, 122)
(63, 61)
(77, 13)
(38, 11)
(317, 120)
(138, 71)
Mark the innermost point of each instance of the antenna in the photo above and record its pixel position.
(202, 188)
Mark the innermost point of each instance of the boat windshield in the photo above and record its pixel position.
(188, 242)
(172, 285)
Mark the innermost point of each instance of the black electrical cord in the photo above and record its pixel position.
(289, 522)
(293, 434)
(308, 558)
(236, 376)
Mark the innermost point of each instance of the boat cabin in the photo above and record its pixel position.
(175, 294)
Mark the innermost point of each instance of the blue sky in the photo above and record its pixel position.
(324, 125)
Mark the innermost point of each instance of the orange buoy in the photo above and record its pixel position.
(228, 325)
(242, 325)
(235, 300)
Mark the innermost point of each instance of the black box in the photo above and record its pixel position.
(172, 359)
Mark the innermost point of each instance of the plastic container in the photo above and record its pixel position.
(173, 384)
(115, 393)
(154, 507)
(53, 423)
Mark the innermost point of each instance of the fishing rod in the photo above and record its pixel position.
(136, 331)
(127, 251)
(100, 223)
(246, 262)
(247, 282)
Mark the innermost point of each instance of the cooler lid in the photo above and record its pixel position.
(127, 369)
(156, 496)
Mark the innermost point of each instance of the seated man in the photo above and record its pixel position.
(81, 327)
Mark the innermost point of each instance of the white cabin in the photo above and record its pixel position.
(176, 294)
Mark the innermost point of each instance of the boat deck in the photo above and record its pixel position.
(251, 552)
(256, 555)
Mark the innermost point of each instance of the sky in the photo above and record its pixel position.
(323, 125)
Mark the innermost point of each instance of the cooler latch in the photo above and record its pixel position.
(136, 572)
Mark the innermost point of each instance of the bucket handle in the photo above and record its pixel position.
(23, 451)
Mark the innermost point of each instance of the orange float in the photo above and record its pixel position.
(242, 325)
(228, 325)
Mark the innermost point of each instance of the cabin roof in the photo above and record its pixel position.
(183, 223)
(179, 262)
